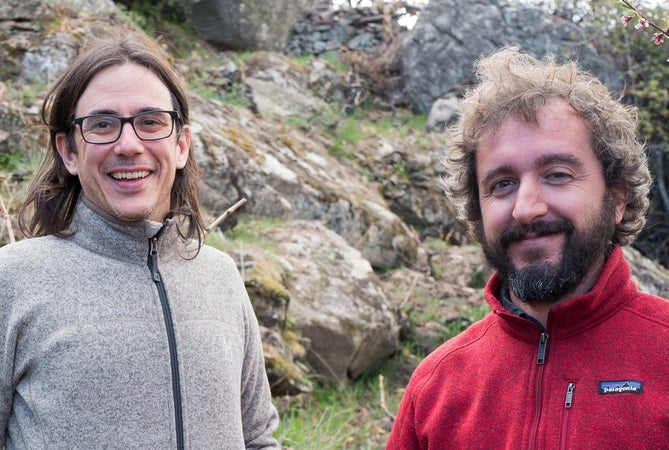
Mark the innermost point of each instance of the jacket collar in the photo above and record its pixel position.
(613, 290)
(99, 232)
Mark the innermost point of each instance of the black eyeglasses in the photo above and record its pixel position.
(107, 128)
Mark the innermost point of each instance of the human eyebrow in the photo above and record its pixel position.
(151, 108)
(135, 112)
(496, 173)
(560, 158)
(101, 111)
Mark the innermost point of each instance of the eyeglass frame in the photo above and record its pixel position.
(128, 119)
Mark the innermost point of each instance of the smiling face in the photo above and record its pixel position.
(130, 179)
(547, 214)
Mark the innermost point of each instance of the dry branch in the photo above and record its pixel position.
(382, 394)
(409, 294)
(227, 213)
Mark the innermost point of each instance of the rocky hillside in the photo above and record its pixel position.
(345, 243)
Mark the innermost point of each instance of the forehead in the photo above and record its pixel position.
(558, 130)
(124, 89)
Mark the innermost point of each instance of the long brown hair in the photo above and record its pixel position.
(53, 194)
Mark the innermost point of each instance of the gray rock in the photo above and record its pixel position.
(336, 301)
(443, 111)
(88, 6)
(286, 374)
(440, 51)
(43, 63)
(649, 275)
(289, 174)
(323, 29)
(246, 25)
(22, 10)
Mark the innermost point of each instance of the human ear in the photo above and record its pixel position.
(620, 202)
(183, 147)
(67, 154)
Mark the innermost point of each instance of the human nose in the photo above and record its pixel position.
(530, 203)
(128, 141)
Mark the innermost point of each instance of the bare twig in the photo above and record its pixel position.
(226, 214)
(382, 394)
(325, 364)
(362, 238)
(641, 15)
(410, 293)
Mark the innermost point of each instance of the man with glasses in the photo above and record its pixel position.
(118, 326)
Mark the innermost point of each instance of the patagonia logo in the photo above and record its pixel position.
(620, 387)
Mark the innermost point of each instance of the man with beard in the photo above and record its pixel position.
(546, 169)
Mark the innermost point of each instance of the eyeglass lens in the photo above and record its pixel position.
(148, 126)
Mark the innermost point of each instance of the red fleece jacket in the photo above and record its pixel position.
(599, 381)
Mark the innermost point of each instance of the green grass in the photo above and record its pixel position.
(325, 118)
(247, 232)
(341, 417)
(330, 57)
(347, 133)
(404, 123)
(13, 161)
(401, 171)
(349, 130)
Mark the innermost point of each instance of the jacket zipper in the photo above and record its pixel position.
(171, 339)
(539, 387)
(568, 401)
(543, 346)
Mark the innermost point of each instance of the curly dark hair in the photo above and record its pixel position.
(514, 84)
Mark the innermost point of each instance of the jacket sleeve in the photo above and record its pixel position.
(403, 435)
(7, 345)
(259, 417)
(6, 390)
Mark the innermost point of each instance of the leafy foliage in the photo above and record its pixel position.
(646, 70)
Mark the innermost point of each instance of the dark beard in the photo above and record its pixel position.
(546, 283)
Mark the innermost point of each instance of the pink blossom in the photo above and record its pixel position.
(643, 23)
(658, 38)
(626, 19)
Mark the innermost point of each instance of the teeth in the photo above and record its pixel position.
(130, 175)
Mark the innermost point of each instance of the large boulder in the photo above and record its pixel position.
(22, 10)
(246, 25)
(336, 301)
(439, 52)
(287, 173)
(650, 276)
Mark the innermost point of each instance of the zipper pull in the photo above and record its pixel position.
(570, 395)
(153, 258)
(543, 344)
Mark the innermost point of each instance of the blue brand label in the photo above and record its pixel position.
(620, 387)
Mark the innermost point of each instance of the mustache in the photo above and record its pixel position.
(540, 228)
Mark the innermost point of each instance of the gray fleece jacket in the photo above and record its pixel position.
(99, 350)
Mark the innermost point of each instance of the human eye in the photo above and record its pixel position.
(152, 120)
(559, 176)
(100, 124)
(501, 187)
